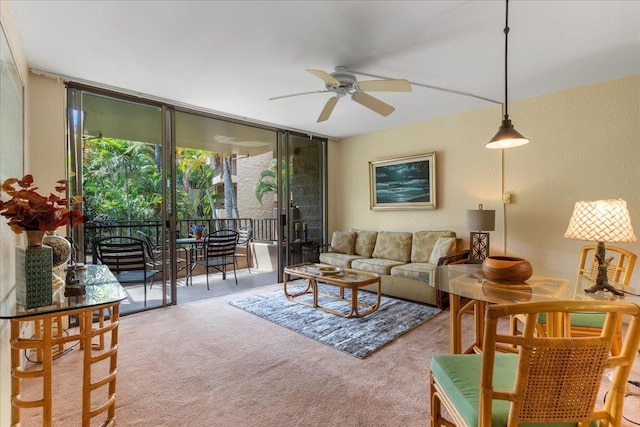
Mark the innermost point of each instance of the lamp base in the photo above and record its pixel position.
(602, 281)
(604, 286)
(479, 245)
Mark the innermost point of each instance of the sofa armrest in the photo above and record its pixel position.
(458, 257)
(324, 248)
(442, 299)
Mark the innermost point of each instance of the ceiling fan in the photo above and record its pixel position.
(343, 82)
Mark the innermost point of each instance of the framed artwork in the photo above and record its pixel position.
(403, 182)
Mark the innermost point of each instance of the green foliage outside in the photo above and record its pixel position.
(267, 182)
(122, 181)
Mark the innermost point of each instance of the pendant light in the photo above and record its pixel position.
(507, 136)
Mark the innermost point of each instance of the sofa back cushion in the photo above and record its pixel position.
(444, 246)
(393, 245)
(343, 242)
(365, 242)
(424, 242)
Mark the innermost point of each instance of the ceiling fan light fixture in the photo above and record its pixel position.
(507, 136)
(343, 82)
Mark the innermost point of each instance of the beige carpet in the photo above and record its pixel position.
(209, 364)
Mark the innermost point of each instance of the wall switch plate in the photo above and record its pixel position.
(506, 198)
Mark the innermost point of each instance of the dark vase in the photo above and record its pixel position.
(34, 272)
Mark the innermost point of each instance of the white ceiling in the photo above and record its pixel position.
(231, 56)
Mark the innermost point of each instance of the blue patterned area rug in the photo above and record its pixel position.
(357, 337)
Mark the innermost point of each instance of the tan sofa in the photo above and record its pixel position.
(405, 261)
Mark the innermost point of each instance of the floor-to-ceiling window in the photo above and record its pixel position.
(153, 169)
(116, 164)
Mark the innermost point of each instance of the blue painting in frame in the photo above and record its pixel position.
(404, 182)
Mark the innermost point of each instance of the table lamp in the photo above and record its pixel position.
(601, 221)
(483, 221)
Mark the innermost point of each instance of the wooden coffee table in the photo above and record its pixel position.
(344, 279)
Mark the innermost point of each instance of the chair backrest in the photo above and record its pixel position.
(122, 253)
(221, 243)
(619, 270)
(558, 378)
(245, 234)
(147, 239)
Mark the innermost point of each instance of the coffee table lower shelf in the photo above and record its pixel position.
(348, 279)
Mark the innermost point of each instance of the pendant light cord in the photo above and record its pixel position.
(506, 49)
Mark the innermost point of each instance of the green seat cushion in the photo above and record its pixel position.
(586, 320)
(459, 375)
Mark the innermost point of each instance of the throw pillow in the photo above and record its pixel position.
(393, 245)
(365, 242)
(423, 243)
(343, 242)
(444, 246)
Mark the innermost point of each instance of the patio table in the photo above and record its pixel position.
(193, 245)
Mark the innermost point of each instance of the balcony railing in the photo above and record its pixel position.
(264, 229)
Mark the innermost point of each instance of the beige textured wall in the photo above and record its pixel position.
(46, 112)
(585, 145)
(249, 170)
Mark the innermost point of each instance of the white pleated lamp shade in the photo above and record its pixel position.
(601, 221)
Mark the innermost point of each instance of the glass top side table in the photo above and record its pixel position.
(98, 312)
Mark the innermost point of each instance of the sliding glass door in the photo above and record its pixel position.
(302, 176)
(117, 158)
(160, 173)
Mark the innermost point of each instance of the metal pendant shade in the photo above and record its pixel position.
(507, 136)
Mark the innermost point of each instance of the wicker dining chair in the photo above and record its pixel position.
(536, 379)
(619, 273)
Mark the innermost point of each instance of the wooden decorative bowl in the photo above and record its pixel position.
(506, 269)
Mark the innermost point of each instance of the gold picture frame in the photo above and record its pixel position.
(403, 182)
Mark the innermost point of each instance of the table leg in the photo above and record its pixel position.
(354, 302)
(310, 285)
(455, 325)
(90, 360)
(44, 348)
(456, 311)
(480, 308)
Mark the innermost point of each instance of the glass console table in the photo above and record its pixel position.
(470, 292)
(98, 313)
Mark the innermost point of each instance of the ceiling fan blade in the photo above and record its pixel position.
(328, 78)
(385, 85)
(328, 109)
(373, 103)
(298, 94)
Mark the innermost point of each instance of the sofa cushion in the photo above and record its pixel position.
(393, 245)
(374, 265)
(343, 242)
(365, 242)
(423, 243)
(444, 246)
(416, 270)
(338, 260)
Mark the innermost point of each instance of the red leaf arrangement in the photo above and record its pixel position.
(28, 210)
